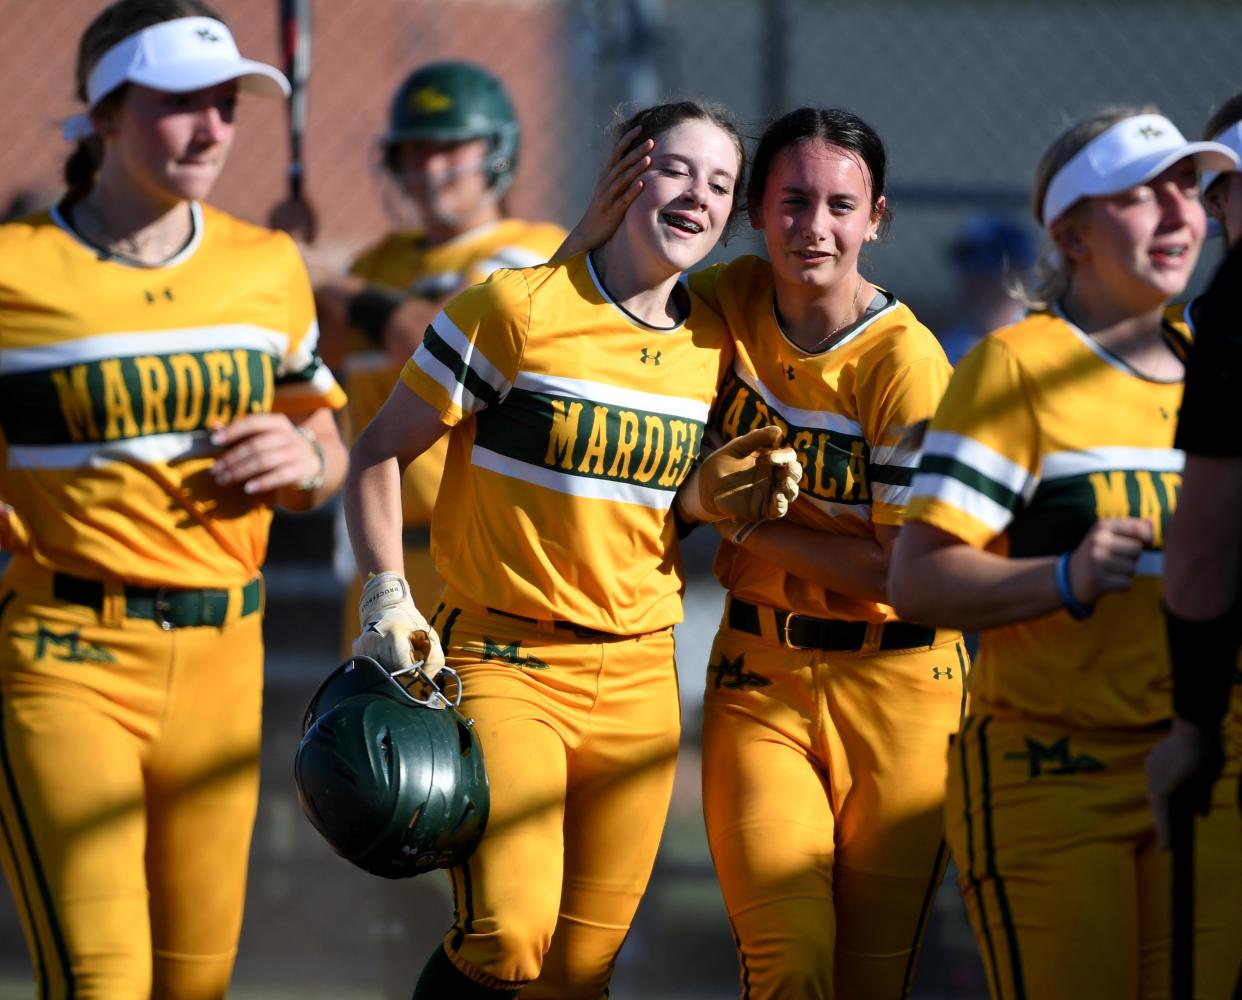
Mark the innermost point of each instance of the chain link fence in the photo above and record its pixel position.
(966, 93)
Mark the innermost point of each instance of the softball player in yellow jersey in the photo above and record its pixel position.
(1038, 515)
(825, 717)
(575, 397)
(452, 147)
(161, 392)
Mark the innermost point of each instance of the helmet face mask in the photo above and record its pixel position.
(454, 102)
(395, 785)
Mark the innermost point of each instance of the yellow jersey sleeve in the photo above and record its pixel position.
(473, 348)
(896, 404)
(981, 455)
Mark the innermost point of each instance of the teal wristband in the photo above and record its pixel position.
(1072, 604)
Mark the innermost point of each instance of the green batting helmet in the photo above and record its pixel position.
(394, 784)
(454, 102)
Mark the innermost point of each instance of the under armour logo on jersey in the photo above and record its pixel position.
(946, 673)
(1163, 412)
(1150, 132)
(789, 372)
(151, 296)
(207, 35)
(653, 358)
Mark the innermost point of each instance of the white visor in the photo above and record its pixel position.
(1231, 137)
(189, 53)
(1128, 153)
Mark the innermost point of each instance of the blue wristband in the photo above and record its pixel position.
(1074, 606)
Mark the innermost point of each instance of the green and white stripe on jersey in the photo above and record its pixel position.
(965, 474)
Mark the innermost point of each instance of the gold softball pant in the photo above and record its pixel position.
(129, 776)
(580, 733)
(1067, 891)
(823, 790)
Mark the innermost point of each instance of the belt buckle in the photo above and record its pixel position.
(160, 608)
(784, 631)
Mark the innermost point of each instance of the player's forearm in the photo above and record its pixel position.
(373, 512)
(843, 564)
(1203, 554)
(938, 581)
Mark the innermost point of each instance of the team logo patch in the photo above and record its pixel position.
(733, 674)
(68, 647)
(207, 35)
(1054, 758)
(429, 101)
(511, 653)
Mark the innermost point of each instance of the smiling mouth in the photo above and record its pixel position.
(1171, 253)
(682, 222)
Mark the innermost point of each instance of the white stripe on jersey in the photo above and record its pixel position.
(577, 486)
(152, 449)
(512, 257)
(902, 455)
(613, 395)
(897, 496)
(816, 419)
(1061, 464)
(188, 340)
(832, 508)
(965, 498)
(303, 354)
(981, 458)
(470, 355)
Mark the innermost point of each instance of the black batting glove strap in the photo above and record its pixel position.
(371, 309)
(1203, 655)
(1207, 421)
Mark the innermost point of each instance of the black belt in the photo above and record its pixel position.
(803, 632)
(171, 607)
(581, 631)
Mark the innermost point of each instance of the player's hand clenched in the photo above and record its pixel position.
(748, 479)
(1107, 558)
(394, 631)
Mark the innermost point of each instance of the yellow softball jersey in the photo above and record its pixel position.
(111, 376)
(573, 423)
(1041, 433)
(401, 261)
(855, 413)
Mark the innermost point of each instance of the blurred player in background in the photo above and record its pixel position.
(451, 150)
(825, 718)
(574, 398)
(1201, 578)
(161, 393)
(1039, 516)
(988, 254)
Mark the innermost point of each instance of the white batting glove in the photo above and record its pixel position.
(394, 631)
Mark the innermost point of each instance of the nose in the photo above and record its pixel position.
(213, 123)
(1177, 208)
(697, 190)
(815, 222)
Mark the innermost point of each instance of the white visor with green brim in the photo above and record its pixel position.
(178, 56)
(1231, 137)
(1132, 151)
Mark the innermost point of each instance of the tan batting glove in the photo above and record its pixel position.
(394, 632)
(748, 479)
